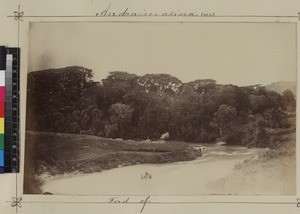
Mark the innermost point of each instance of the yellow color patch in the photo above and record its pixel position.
(1, 125)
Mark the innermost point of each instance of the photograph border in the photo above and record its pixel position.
(17, 200)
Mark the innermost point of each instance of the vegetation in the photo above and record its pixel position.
(72, 120)
(129, 106)
(272, 172)
(57, 154)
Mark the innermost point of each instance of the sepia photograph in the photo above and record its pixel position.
(161, 108)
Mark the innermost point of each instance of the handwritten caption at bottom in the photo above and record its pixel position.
(126, 200)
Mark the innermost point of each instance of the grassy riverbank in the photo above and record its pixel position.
(270, 173)
(56, 154)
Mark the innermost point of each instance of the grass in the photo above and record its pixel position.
(57, 154)
(272, 172)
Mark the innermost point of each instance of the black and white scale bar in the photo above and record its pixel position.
(11, 136)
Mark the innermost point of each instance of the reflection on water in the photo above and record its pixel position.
(181, 178)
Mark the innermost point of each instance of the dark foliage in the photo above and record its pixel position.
(129, 106)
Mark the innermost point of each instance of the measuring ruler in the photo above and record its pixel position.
(11, 92)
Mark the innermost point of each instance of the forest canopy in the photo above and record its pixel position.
(129, 106)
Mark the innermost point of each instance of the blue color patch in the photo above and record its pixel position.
(1, 157)
(1, 170)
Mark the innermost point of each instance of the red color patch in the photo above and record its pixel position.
(1, 109)
(2, 94)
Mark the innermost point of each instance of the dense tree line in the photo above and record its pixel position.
(129, 106)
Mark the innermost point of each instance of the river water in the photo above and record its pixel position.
(182, 178)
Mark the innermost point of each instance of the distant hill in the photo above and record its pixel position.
(281, 86)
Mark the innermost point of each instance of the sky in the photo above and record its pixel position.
(231, 53)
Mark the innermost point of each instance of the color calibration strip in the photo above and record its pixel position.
(2, 104)
(11, 133)
(9, 110)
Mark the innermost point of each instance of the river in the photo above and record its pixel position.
(182, 178)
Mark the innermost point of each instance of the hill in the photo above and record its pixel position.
(281, 86)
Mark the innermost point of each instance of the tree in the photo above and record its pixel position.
(116, 85)
(259, 103)
(225, 115)
(136, 107)
(54, 91)
(289, 101)
(187, 90)
(204, 85)
(233, 96)
(155, 118)
(138, 101)
(160, 83)
(121, 115)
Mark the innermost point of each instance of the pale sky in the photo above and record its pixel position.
(231, 53)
